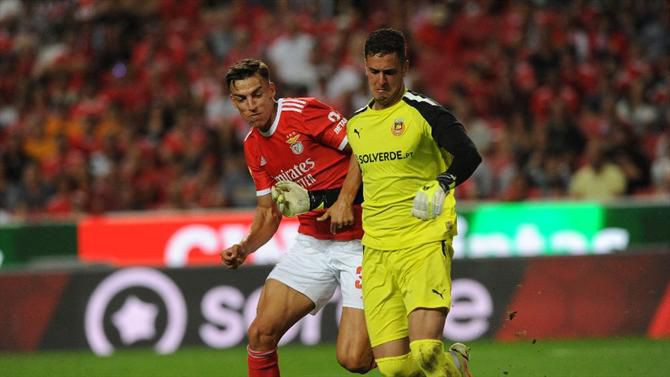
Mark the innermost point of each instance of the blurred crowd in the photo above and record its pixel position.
(118, 105)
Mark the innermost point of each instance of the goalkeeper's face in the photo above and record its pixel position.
(385, 74)
(254, 98)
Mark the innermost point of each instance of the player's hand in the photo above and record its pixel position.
(341, 216)
(291, 198)
(429, 199)
(233, 256)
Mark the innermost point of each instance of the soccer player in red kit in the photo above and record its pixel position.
(304, 141)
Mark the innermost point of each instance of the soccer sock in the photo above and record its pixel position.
(399, 366)
(263, 363)
(433, 361)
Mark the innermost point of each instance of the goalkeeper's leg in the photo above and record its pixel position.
(432, 359)
(399, 366)
(425, 328)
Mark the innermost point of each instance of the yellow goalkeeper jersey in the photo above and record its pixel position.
(397, 152)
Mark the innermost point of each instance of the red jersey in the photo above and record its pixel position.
(305, 144)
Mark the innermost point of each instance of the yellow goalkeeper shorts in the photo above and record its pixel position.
(395, 282)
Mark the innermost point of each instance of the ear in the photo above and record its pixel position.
(273, 88)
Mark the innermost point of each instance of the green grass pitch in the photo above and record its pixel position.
(579, 358)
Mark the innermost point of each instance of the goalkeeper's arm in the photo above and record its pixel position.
(325, 198)
(292, 199)
(450, 135)
(350, 193)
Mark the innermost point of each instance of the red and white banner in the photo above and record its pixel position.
(174, 240)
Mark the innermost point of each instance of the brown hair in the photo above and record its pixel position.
(246, 68)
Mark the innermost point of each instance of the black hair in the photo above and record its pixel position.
(246, 68)
(386, 41)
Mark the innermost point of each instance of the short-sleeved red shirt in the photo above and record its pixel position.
(305, 144)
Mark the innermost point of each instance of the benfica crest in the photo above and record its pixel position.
(398, 127)
(295, 144)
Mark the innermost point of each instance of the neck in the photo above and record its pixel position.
(267, 125)
(392, 100)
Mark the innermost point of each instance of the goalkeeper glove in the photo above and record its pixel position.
(291, 198)
(430, 197)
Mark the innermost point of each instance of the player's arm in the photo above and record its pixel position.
(263, 227)
(341, 212)
(328, 127)
(293, 199)
(450, 135)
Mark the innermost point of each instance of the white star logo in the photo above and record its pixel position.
(135, 320)
(263, 161)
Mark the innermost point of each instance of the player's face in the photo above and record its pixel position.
(254, 98)
(385, 75)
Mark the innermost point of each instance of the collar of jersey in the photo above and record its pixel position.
(275, 122)
(390, 108)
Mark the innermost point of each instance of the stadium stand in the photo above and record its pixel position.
(118, 105)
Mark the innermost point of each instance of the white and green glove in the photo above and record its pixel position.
(291, 198)
(429, 199)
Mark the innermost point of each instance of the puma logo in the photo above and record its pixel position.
(357, 133)
(438, 293)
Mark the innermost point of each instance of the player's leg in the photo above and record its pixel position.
(353, 345)
(459, 352)
(394, 359)
(425, 328)
(279, 308)
(299, 284)
(427, 275)
(386, 317)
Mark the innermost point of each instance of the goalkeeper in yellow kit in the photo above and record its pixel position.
(411, 152)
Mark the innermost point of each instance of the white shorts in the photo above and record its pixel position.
(316, 268)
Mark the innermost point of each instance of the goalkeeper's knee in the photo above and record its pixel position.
(399, 366)
(431, 358)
